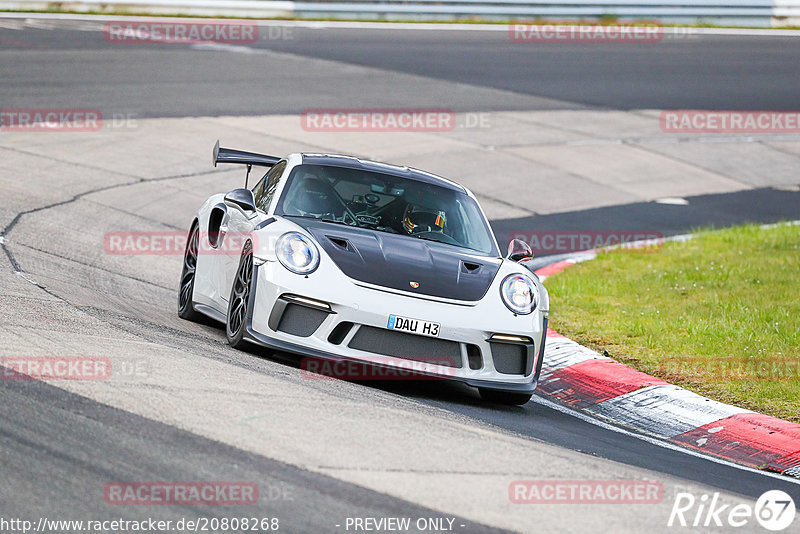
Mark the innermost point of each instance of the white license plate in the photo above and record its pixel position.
(413, 326)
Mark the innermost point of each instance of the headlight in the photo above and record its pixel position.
(519, 293)
(297, 253)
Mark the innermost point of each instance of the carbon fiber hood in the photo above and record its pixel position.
(399, 262)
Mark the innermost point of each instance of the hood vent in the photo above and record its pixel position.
(341, 243)
(469, 267)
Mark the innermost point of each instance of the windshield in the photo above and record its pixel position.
(386, 203)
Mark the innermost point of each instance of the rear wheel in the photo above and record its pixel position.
(236, 325)
(185, 307)
(504, 397)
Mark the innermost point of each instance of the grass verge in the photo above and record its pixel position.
(718, 314)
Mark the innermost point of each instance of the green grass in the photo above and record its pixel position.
(718, 314)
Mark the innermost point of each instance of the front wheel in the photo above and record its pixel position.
(504, 397)
(236, 325)
(185, 307)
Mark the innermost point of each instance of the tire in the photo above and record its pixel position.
(236, 320)
(504, 397)
(186, 289)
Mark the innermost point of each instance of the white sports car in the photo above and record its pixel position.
(343, 259)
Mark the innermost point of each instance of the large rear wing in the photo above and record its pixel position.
(229, 155)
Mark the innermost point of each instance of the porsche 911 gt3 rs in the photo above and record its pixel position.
(341, 258)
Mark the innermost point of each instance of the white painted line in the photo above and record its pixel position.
(679, 31)
(586, 255)
(655, 441)
(681, 238)
(224, 47)
(664, 411)
(27, 278)
(577, 257)
(675, 201)
(776, 225)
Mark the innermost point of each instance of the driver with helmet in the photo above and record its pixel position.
(418, 219)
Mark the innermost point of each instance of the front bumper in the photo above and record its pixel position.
(357, 312)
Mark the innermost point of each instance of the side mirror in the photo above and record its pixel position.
(242, 199)
(519, 250)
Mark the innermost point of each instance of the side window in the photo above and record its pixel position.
(266, 188)
(258, 190)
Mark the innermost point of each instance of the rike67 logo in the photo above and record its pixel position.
(774, 510)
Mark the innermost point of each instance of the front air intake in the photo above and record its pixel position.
(407, 346)
(300, 321)
(512, 358)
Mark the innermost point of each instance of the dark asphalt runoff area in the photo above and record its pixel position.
(762, 205)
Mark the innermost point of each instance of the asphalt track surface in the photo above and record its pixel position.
(56, 446)
(296, 68)
(764, 205)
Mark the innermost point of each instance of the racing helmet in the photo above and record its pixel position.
(418, 219)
